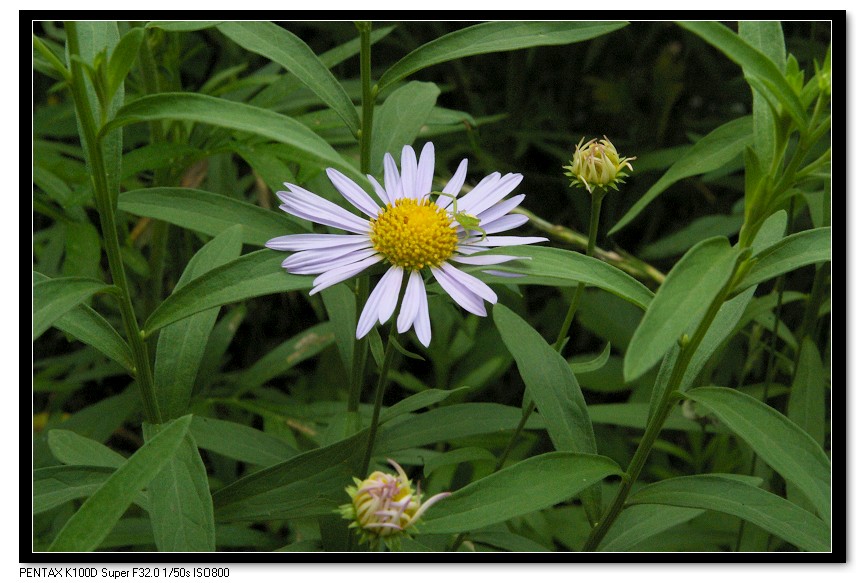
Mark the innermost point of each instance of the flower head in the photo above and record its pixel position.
(597, 164)
(409, 231)
(385, 507)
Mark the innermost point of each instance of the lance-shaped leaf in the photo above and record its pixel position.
(53, 298)
(792, 252)
(782, 444)
(99, 513)
(399, 119)
(279, 45)
(491, 37)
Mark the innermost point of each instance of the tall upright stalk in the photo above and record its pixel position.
(105, 207)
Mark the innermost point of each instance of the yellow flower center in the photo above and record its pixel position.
(414, 234)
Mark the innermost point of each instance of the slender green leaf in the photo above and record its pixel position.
(559, 267)
(56, 485)
(398, 120)
(682, 299)
(419, 400)
(807, 405)
(791, 252)
(490, 37)
(457, 456)
(239, 442)
(279, 45)
(339, 301)
(236, 116)
(181, 510)
(85, 324)
(768, 38)
(584, 365)
(781, 443)
(448, 423)
(729, 494)
(76, 450)
(635, 415)
(698, 230)
(208, 213)
(530, 485)
(83, 250)
(97, 516)
(289, 353)
(637, 523)
(711, 152)
(312, 483)
(550, 383)
(123, 58)
(101, 419)
(181, 344)
(758, 68)
(508, 541)
(53, 298)
(251, 275)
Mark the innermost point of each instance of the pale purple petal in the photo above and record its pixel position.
(371, 310)
(392, 281)
(421, 321)
(470, 249)
(471, 282)
(325, 280)
(505, 223)
(381, 192)
(502, 241)
(305, 242)
(425, 169)
(353, 193)
(306, 205)
(410, 302)
(391, 179)
(309, 262)
(485, 259)
(487, 198)
(500, 209)
(455, 184)
(463, 296)
(408, 172)
(487, 183)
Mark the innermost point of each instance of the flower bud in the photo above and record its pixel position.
(597, 164)
(385, 507)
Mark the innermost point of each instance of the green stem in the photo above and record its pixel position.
(359, 355)
(656, 423)
(105, 207)
(379, 396)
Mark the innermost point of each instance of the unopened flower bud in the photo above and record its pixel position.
(597, 164)
(385, 507)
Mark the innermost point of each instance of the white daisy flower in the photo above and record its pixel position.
(410, 232)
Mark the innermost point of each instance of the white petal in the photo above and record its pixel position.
(391, 281)
(502, 241)
(486, 259)
(306, 205)
(471, 282)
(469, 301)
(370, 311)
(505, 223)
(381, 192)
(469, 249)
(408, 173)
(500, 209)
(421, 321)
(455, 184)
(391, 179)
(353, 193)
(305, 242)
(488, 198)
(325, 280)
(315, 265)
(488, 182)
(425, 169)
(410, 302)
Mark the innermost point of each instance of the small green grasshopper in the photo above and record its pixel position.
(466, 221)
